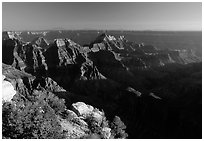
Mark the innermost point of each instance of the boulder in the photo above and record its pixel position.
(80, 108)
(7, 90)
(85, 111)
(71, 114)
(97, 116)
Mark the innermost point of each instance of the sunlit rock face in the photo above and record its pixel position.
(82, 109)
(7, 90)
(40, 42)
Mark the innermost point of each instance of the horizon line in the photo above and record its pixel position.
(159, 30)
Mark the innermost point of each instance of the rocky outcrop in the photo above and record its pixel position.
(82, 109)
(90, 72)
(86, 114)
(63, 53)
(7, 90)
(23, 56)
(82, 120)
(34, 59)
(25, 83)
(40, 42)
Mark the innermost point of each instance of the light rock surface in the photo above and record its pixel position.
(107, 132)
(7, 90)
(134, 91)
(60, 42)
(81, 108)
(98, 117)
(85, 111)
(73, 131)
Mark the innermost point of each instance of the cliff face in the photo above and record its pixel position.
(23, 56)
(8, 46)
(40, 42)
(61, 58)
(63, 53)
(38, 57)
(24, 82)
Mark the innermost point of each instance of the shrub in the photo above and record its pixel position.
(37, 119)
(93, 125)
(58, 105)
(96, 127)
(118, 128)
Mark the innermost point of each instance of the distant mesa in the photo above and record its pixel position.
(148, 54)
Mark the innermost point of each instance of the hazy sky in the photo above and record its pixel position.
(130, 16)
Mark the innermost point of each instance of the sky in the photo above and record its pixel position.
(105, 16)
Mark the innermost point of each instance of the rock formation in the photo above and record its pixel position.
(8, 90)
(157, 93)
(146, 55)
(40, 42)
